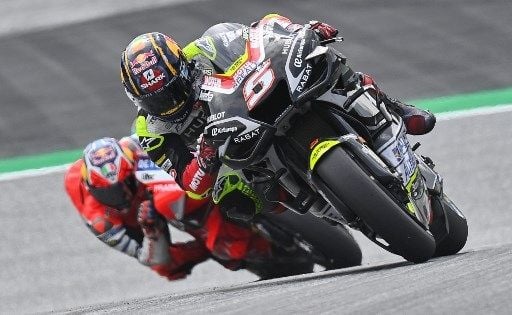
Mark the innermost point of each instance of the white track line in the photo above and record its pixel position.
(440, 117)
(481, 111)
(33, 172)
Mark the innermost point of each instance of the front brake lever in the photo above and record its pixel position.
(331, 40)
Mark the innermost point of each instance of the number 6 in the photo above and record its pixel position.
(258, 84)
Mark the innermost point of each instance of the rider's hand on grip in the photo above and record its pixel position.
(208, 155)
(324, 30)
(152, 224)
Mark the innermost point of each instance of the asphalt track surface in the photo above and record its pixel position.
(49, 261)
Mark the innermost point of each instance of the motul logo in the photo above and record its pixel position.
(196, 180)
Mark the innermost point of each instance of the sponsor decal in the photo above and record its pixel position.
(287, 44)
(152, 80)
(143, 61)
(215, 117)
(207, 46)
(293, 73)
(304, 78)
(147, 176)
(219, 130)
(197, 178)
(210, 81)
(297, 62)
(228, 37)
(245, 33)
(206, 95)
(403, 147)
(243, 72)
(153, 176)
(166, 165)
(242, 124)
(145, 143)
(146, 164)
(102, 155)
(201, 67)
(409, 167)
(236, 64)
(319, 150)
(247, 136)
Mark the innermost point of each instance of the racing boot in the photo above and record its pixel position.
(416, 120)
(281, 263)
(236, 199)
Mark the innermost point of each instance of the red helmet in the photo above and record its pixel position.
(156, 76)
(109, 172)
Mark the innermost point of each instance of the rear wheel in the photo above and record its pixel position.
(368, 200)
(453, 240)
(335, 243)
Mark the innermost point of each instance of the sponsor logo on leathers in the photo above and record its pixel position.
(197, 178)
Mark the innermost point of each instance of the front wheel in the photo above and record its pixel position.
(366, 197)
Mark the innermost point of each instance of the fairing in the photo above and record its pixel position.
(272, 76)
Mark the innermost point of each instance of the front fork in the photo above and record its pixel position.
(361, 154)
(439, 225)
(424, 184)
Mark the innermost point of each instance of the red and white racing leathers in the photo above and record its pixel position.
(122, 231)
(228, 243)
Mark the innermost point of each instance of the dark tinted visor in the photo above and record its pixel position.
(167, 102)
(117, 196)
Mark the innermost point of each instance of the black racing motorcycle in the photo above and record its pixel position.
(287, 111)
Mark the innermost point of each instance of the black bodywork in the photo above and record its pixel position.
(296, 82)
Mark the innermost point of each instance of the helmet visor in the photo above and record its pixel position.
(170, 102)
(118, 195)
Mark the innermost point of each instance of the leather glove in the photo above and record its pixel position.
(150, 221)
(208, 157)
(324, 30)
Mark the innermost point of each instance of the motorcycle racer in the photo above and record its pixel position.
(130, 215)
(164, 82)
(120, 211)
